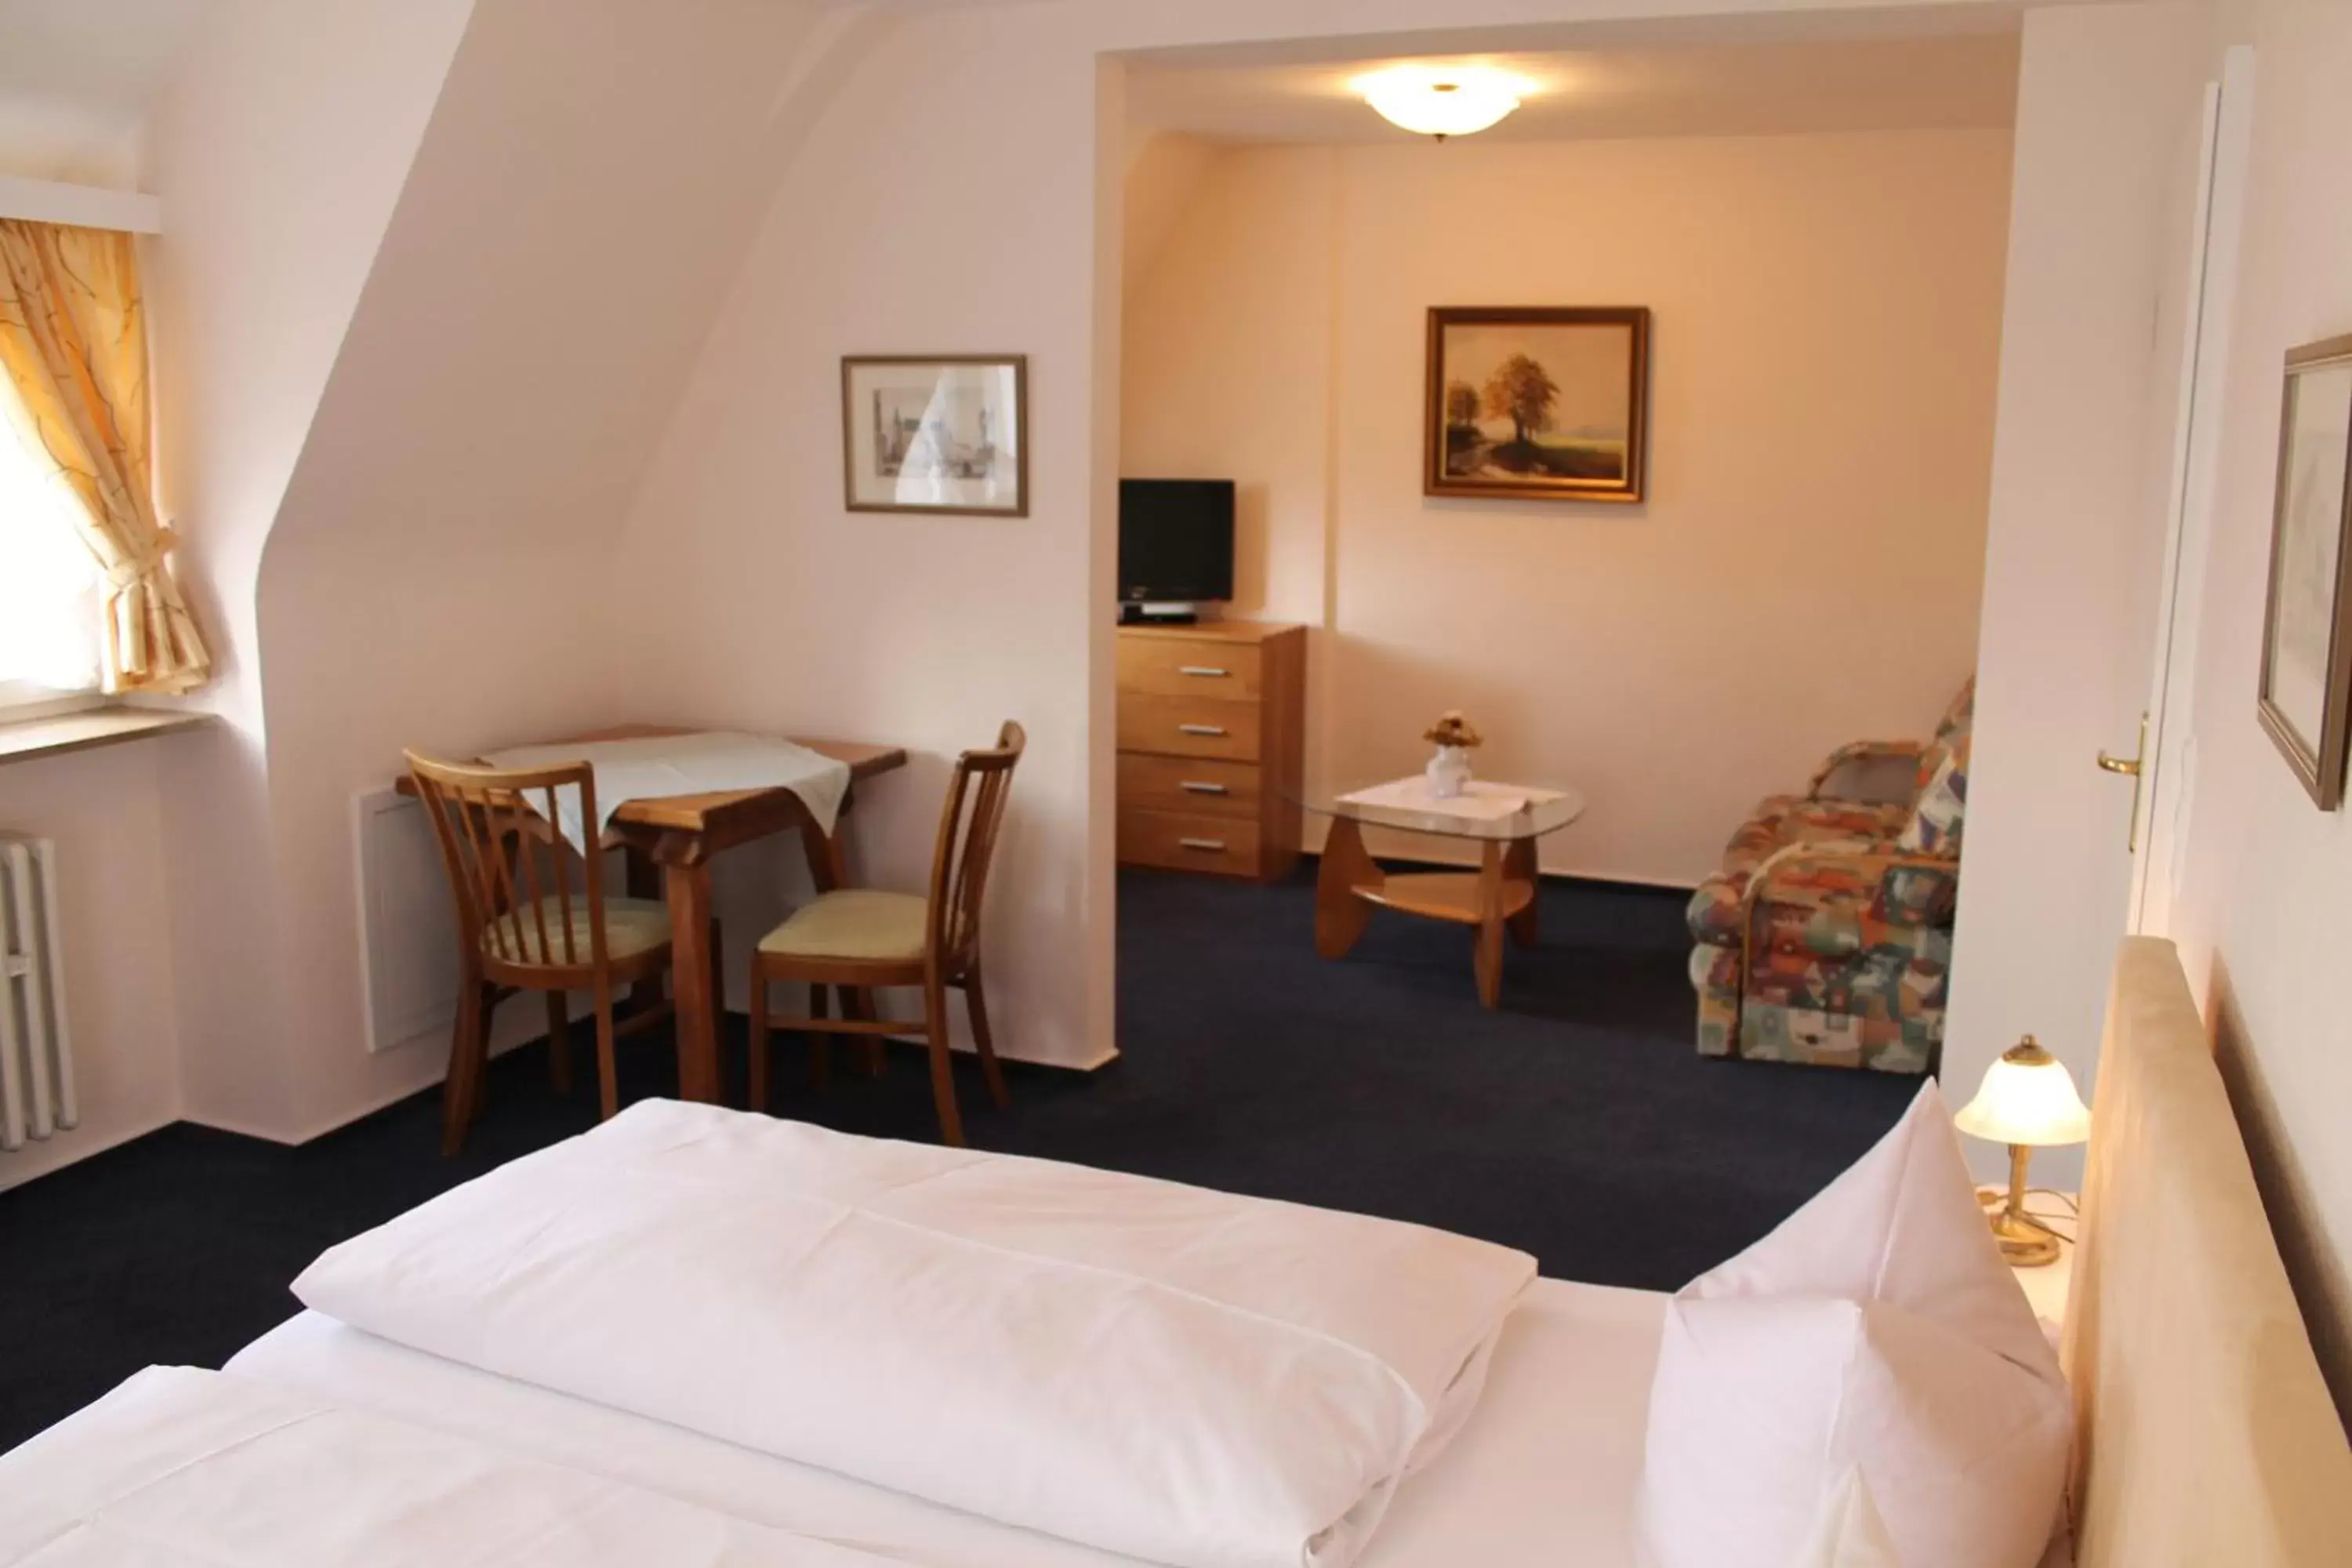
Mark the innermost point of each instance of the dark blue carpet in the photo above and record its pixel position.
(1576, 1121)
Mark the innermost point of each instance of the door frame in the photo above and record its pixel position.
(2168, 752)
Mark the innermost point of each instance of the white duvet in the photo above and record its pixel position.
(1178, 1374)
(182, 1468)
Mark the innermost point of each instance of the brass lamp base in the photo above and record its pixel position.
(2025, 1242)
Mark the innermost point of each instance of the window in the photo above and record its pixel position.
(49, 589)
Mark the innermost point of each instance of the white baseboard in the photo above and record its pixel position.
(393, 1096)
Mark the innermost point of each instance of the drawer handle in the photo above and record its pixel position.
(1214, 845)
(1210, 670)
(1202, 729)
(1195, 787)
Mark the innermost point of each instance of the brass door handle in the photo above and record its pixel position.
(2130, 768)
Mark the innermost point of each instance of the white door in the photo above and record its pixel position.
(2102, 327)
(2199, 323)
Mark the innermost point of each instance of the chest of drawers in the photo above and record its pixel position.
(1212, 743)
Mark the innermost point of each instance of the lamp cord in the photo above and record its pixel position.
(2062, 1225)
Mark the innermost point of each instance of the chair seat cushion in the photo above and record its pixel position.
(632, 926)
(854, 923)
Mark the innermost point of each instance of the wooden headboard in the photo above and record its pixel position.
(2207, 1437)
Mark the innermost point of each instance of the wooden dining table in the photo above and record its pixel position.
(669, 841)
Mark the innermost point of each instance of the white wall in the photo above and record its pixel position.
(280, 150)
(43, 138)
(279, 145)
(1805, 570)
(2105, 96)
(931, 631)
(1163, 173)
(285, 147)
(2261, 911)
(104, 810)
(927, 632)
(436, 573)
(1230, 347)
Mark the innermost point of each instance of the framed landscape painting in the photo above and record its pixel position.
(942, 434)
(2306, 698)
(1548, 404)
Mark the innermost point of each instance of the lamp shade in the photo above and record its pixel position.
(1441, 100)
(2027, 1097)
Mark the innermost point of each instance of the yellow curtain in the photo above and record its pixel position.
(73, 344)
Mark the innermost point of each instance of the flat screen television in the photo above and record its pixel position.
(1175, 545)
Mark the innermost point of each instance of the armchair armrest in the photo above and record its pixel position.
(1835, 898)
(1862, 752)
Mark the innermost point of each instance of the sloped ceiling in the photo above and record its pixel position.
(580, 200)
(437, 575)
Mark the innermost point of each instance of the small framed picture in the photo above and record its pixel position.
(946, 434)
(1536, 402)
(2305, 699)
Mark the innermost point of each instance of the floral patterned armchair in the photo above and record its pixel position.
(1827, 936)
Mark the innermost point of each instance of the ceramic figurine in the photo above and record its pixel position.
(1449, 770)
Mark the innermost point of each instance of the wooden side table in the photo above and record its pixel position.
(1498, 897)
(670, 840)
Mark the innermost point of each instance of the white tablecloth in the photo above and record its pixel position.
(705, 762)
(1482, 800)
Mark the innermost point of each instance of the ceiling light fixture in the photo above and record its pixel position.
(1441, 100)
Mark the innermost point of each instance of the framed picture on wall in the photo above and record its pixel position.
(2305, 699)
(1541, 402)
(948, 433)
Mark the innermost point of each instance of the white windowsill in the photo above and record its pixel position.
(22, 739)
(22, 701)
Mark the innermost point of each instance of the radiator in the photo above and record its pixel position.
(408, 932)
(36, 1087)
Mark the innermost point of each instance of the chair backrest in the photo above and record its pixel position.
(513, 908)
(1940, 800)
(1961, 714)
(968, 828)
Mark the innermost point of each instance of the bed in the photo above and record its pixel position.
(2207, 1435)
(1530, 1466)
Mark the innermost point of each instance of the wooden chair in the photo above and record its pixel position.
(861, 939)
(526, 923)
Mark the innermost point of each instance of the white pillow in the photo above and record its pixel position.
(1876, 1333)
(1850, 1535)
(1180, 1376)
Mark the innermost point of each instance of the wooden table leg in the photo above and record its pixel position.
(1519, 866)
(1490, 960)
(645, 881)
(828, 861)
(687, 887)
(1340, 916)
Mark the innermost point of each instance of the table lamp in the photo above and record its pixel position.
(2027, 1101)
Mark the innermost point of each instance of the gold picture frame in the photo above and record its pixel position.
(936, 433)
(1536, 402)
(2305, 697)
